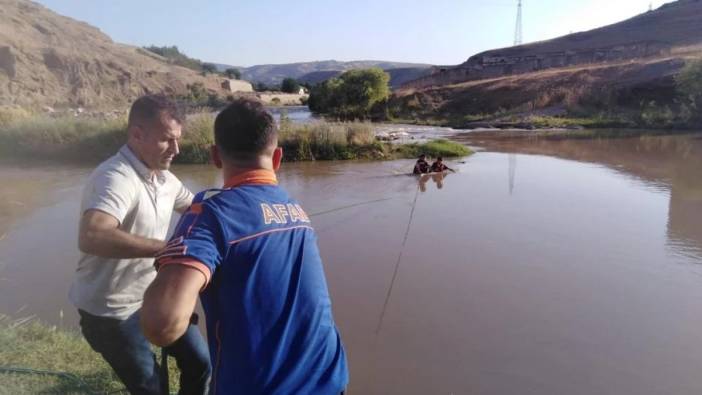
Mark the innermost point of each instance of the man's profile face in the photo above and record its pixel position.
(158, 142)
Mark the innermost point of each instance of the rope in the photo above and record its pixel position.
(349, 206)
(397, 264)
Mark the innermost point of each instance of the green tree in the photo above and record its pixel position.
(689, 83)
(290, 85)
(233, 73)
(356, 94)
(176, 57)
(209, 68)
(260, 86)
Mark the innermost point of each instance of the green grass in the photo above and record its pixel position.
(40, 347)
(594, 122)
(87, 140)
(68, 138)
(433, 149)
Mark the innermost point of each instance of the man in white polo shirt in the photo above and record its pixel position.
(125, 214)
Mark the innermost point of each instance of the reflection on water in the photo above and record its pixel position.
(668, 163)
(536, 268)
(437, 178)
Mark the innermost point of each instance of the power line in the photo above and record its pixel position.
(518, 27)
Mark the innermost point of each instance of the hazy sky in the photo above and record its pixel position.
(246, 33)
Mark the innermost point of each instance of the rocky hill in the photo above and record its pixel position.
(619, 70)
(273, 74)
(51, 60)
(656, 33)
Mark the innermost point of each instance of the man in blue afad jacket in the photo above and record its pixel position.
(250, 252)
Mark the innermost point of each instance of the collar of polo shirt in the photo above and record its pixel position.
(257, 176)
(140, 167)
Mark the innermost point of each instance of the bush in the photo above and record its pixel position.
(68, 138)
(9, 115)
(209, 68)
(689, 86)
(233, 73)
(290, 85)
(434, 148)
(176, 57)
(355, 94)
(198, 137)
(327, 141)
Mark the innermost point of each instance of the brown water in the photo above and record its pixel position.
(567, 267)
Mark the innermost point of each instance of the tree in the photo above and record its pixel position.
(209, 68)
(354, 94)
(689, 83)
(233, 73)
(290, 85)
(260, 86)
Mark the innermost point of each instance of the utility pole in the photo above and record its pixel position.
(518, 27)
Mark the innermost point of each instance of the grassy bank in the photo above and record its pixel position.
(71, 139)
(54, 361)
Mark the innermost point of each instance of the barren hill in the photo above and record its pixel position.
(653, 34)
(49, 59)
(614, 69)
(275, 73)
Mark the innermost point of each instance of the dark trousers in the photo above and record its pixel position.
(122, 344)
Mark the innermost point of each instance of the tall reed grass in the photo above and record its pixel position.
(91, 140)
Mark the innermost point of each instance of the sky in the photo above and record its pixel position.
(254, 32)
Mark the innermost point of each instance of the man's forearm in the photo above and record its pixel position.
(116, 243)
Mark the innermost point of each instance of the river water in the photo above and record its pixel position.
(539, 267)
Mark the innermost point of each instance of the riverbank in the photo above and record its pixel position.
(36, 358)
(478, 136)
(90, 140)
(537, 122)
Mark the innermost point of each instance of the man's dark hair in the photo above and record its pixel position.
(150, 108)
(244, 129)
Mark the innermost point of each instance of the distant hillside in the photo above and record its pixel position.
(652, 34)
(273, 74)
(49, 59)
(623, 71)
(398, 76)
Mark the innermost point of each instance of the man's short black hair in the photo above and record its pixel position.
(244, 129)
(150, 108)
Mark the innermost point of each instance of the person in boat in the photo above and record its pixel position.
(438, 166)
(422, 166)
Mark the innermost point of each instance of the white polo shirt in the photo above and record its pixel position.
(143, 202)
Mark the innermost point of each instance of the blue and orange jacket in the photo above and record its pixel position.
(268, 311)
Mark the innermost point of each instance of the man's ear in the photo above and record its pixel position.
(216, 159)
(277, 157)
(136, 132)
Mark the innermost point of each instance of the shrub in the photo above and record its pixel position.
(176, 57)
(198, 137)
(353, 95)
(290, 85)
(233, 73)
(9, 115)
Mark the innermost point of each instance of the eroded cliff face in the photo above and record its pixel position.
(655, 34)
(49, 59)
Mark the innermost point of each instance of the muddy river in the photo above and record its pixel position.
(539, 267)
